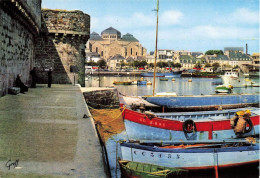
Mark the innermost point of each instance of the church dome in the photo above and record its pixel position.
(95, 36)
(111, 30)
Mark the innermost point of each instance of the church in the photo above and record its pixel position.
(111, 43)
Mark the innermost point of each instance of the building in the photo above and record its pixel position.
(115, 61)
(227, 50)
(92, 56)
(256, 60)
(111, 43)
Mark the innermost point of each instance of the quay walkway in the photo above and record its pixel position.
(43, 133)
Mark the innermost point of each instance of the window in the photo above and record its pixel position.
(97, 49)
(101, 53)
(131, 51)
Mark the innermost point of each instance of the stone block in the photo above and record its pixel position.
(13, 90)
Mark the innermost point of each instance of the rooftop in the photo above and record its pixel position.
(111, 30)
(129, 37)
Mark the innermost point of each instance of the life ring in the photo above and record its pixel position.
(249, 122)
(189, 126)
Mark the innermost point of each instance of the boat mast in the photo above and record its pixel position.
(155, 52)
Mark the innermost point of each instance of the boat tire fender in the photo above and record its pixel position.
(247, 130)
(189, 126)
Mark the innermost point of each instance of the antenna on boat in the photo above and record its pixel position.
(155, 52)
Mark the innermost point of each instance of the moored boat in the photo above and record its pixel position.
(150, 74)
(193, 157)
(130, 169)
(190, 125)
(163, 79)
(204, 102)
(122, 83)
(223, 89)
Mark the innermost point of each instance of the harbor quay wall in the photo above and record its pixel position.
(19, 26)
(61, 46)
(101, 98)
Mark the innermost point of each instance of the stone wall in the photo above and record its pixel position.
(102, 99)
(19, 26)
(62, 44)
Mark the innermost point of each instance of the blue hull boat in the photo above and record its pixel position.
(175, 74)
(192, 156)
(205, 102)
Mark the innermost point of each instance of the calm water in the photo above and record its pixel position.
(182, 87)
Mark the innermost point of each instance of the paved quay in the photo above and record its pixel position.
(43, 133)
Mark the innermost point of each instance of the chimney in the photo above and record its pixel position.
(246, 49)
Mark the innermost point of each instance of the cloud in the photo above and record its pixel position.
(241, 16)
(136, 20)
(244, 15)
(171, 17)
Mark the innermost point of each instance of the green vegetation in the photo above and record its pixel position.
(91, 63)
(102, 63)
(215, 66)
(207, 65)
(211, 52)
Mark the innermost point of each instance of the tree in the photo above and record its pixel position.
(177, 65)
(211, 52)
(197, 65)
(215, 66)
(91, 63)
(102, 63)
(207, 65)
(151, 64)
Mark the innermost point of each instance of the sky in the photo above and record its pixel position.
(193, 25)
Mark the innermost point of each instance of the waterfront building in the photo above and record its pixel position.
(115, 62)
(111, 43)
(255, 61)
(92, 56)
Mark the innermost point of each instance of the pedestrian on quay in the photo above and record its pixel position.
(20, 84)
(34, 77)
(50, 77)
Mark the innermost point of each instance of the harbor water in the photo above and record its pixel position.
(181, 86)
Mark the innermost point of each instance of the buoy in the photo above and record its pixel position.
(189, 80)
(173, 79)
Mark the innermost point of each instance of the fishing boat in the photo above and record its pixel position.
(223, 89)
(173, 74)
(150, 74)
(204, 102)
(193, 156)
(163, 79)
(122, 83)
(230, 74)
(131, 169)
(190, 125)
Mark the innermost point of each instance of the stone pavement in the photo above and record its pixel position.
(45, 130)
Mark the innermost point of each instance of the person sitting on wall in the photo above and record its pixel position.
(20, 84)
(49, 77)
(34, 77)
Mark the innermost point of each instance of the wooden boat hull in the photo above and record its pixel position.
(209, 125)
(131, 169)
(122, 83)
(205, 102)
(191, 159)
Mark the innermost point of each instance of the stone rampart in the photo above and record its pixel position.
(19, 26)
(61, 45)
(102, 98)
